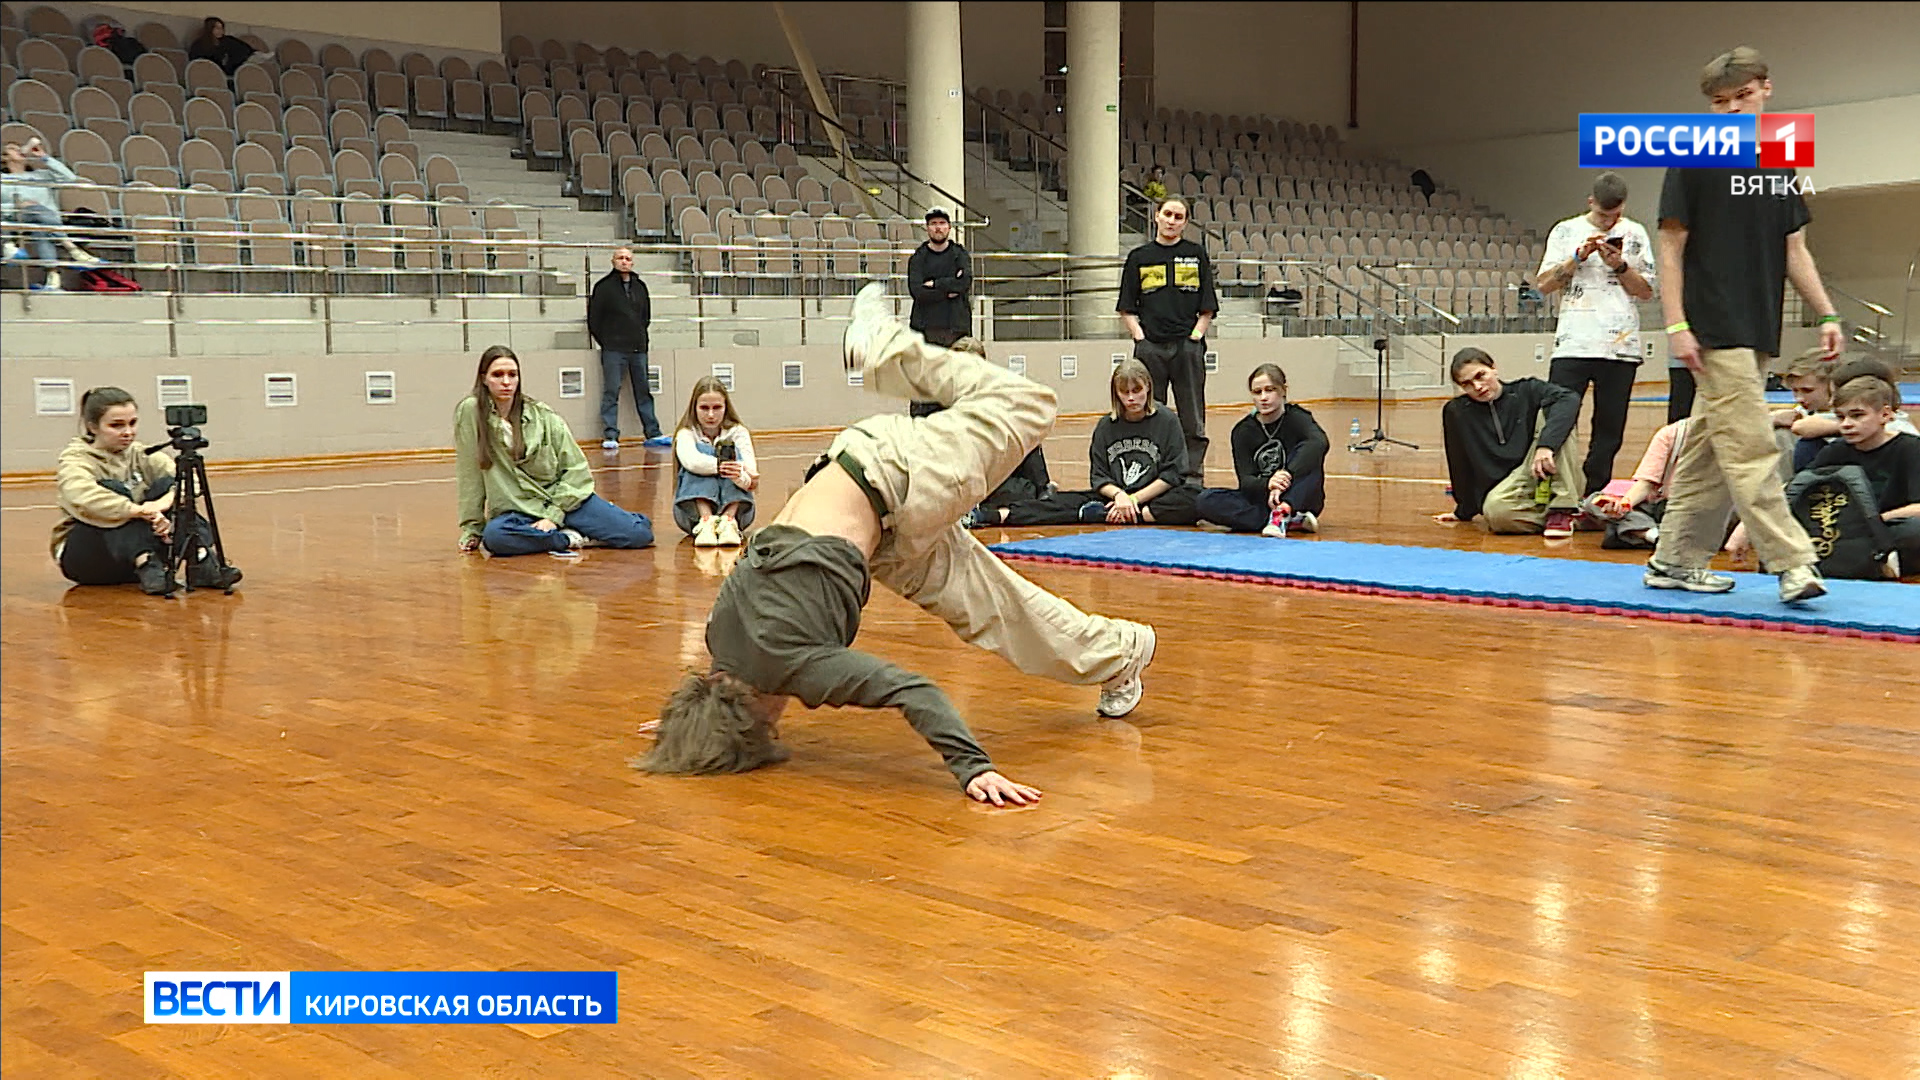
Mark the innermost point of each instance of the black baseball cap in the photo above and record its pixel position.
(938, 214)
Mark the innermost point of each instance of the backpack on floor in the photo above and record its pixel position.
(1837, 507)
(102, 279)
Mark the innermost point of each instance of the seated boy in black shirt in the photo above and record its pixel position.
(1865, 406)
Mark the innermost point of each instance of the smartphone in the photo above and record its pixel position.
(724, 452)
(1616, 242)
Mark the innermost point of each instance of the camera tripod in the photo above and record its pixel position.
(1380, 405)
(190, 490)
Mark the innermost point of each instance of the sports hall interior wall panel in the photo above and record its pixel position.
(1000, 39)
(463, 25)
(333, 416)
(1250, 58)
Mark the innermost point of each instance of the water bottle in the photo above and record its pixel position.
(1543, 492)
(1353, 430)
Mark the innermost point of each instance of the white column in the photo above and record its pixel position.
(936, 135)
(1093, 159)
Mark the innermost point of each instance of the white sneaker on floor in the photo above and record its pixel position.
(609, 444)
(1306, 522)
(869, 320)
(1276, 527)
(575, 539)
(1801, 583)
(1120, 694)
(54, 284)
(706, 534)
(727, 533)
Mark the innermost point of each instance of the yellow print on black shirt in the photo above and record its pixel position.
(1186, 275)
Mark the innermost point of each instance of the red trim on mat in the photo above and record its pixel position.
(1740, 622)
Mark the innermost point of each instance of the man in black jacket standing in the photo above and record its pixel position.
(940, 280)
(618, 313)
(1167, 301)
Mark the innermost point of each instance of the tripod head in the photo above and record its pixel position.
(183, 430)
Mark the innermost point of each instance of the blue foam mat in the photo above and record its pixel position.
(1859, 606)
(1909, 393)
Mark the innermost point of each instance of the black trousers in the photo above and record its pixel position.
(1612, 392)
(1177, 506)
(1180, 367)
(1231, 507)
(97, 556)
(1679, 394)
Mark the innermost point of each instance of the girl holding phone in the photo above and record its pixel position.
(717, 474)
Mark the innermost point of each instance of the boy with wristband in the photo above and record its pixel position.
(1724, 260)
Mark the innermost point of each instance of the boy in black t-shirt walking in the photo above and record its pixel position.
(1724, 258)
(1167, 301)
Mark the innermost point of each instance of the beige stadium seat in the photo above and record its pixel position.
(443, 179)
(255, 167)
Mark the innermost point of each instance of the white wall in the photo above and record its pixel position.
(1000, 40)
(1446, 72)
(467, 26)
(1250, 58)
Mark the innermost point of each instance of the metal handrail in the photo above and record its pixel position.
(988, 107)
(852, 138)
(1402, 294)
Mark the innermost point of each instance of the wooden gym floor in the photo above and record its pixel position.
(1342, 836)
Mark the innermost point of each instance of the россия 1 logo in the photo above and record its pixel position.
(1696, 140)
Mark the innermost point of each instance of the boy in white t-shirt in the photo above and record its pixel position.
(1604, 263)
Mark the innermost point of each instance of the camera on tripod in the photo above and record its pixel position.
(194, 523)
(183, 427)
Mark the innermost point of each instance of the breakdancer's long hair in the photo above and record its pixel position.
(712, 724)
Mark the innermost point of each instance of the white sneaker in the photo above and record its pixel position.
(10, 251)
(707, 533)
(1801, 583)
(869, 320)
(1306, 522)
(1120, 694)
(1276, 527)
(1690, 578)
(81, 255)
(727, 533)
(575, 539)
(609, 444)
(53, 281)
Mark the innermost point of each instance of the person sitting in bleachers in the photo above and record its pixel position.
(1512, 454)
(27, 198)
(1136, 468)
(1278, 450)
(215, 44)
